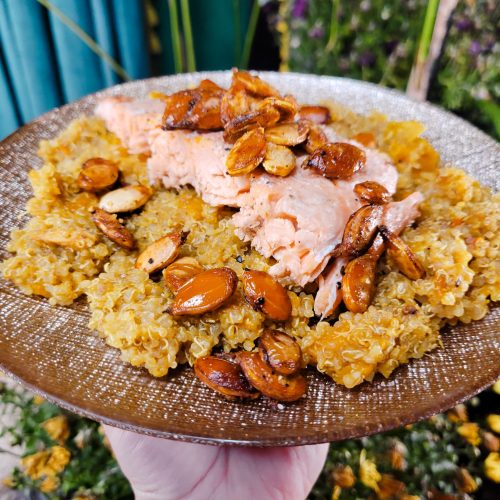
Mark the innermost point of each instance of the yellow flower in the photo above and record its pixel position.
(466, 483)
(368, 472)
(494, 422)
(458, 414)
(470, 431)
(492, 467)
(58, 459)
(8, 481)
(343, 476)
(50, 483)
(57, 428)
(46, 462)
(336, 492)
(397, 455)
(38, 400)
(496, 386)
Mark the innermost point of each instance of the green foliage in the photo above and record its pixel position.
(92, 469)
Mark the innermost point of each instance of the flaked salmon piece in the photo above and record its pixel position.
(181, 157)
(131, 119)
(397, 216)
(299, 219)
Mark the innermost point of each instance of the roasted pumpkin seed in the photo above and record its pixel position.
(205, 292)
(180, 272)
(265, 117)
(265, 294)
(358, 283)
(402, 255)
(360, 230)
(162, 252)
(288, 134)
(280, 351)
(316, 114)
(125, 199)
(113, 229)
(248, 153)
(253, 84)
(97, 174)
(287, 107)
(315, 138)
(237, 102)
(76, 240)
(372, 192)
(225, 377)
(279, 160)
(267, 381)
(336, 160)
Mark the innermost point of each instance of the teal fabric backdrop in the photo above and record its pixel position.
(43, 64)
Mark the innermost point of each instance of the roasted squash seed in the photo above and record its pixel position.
(358, 283)
(248, 153)
(315, 138)
(265, 294)
(125, 199)
(317, 114)
(113, 229)
(180, 272)
(279, 160)
(162, 252)
(336, 160)
(372, 192)
(97, 174)
(360, 230)
(288, 134)
(267, 381)
(402, 255)
(225, 377)
(280, 351)
(205, 292)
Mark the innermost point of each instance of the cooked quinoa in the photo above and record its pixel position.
(456, 239)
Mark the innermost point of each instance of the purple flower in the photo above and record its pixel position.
(464, 24)
(299, 8)
(390, 46)
(475, 48)
(316, 32)
(367, 58)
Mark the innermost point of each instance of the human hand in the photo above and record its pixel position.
(160, 469)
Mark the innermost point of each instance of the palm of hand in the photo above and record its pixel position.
(159, 469)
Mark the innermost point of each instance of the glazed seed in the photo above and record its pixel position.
(205, 292)
(125, 199)
(248, 153)
(265, 294)
(316, 137)
(288, 134)
(180, 272)
(336, 160)
(267, 381)
(225, 377)
(287, 107)
(358, 283)
(113, 229)
(265, 117)
(316, 114)
(372, 192)
(360, 230)
(280, 351)
(402, 255)
(279, 160)
(97, 174)
(77, 240)
(162, 252)
(253, 84)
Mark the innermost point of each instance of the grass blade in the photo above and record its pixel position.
(86, 39)
(252, 25)
(176, 36)
(188, 35)
(237, 31)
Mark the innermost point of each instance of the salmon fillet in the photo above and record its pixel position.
(298, 220)
(131, 120)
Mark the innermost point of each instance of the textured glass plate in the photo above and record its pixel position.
(51, 350)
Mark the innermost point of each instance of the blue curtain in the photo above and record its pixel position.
(43, 64)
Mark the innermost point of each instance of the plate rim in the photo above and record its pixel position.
(290, 441)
